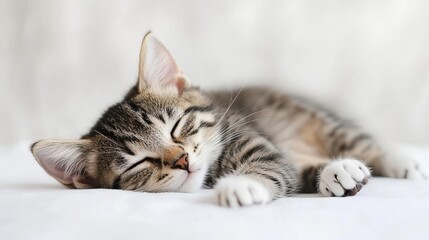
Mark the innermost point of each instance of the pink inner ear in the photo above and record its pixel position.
(56, 166)
(64, 160)
(160, 70)
(180, 84)
(59, 175)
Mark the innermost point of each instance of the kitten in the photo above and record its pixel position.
(253, 145)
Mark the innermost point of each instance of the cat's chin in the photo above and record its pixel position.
(193, 181)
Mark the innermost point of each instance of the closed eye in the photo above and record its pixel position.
(192, 110)
(206, 124)
(146, 159)
(202, 125)
(174, 129)
(136, 164)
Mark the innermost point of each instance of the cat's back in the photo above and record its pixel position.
(252, 99)
(275, 113)
(247, 97)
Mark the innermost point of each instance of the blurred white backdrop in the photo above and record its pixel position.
(63, 62)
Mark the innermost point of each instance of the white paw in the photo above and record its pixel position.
(343, 178)
(403, 165)
(238, 191)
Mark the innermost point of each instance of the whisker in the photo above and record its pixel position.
(106, 137)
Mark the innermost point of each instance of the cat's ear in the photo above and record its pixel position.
(65, 160)
(157, 67)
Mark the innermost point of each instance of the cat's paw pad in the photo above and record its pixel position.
(405, 166)
(342, 178)
(239, 191)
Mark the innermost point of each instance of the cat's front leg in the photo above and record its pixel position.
(252, 171)
(343, 177)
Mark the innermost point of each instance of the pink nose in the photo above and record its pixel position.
(182, 162)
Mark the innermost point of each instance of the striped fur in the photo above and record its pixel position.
(262, 133)
(310, 135)
(253, 145)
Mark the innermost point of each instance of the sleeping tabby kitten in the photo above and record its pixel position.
(253, 145)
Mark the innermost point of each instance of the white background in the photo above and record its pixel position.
(63, 62)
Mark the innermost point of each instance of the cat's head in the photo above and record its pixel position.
(161, 137)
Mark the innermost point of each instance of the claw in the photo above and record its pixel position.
(359, 187)
(352, 192)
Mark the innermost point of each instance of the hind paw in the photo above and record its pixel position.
(405, 166)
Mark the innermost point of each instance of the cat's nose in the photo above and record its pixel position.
(182, 162)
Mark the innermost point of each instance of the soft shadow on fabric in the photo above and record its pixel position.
(39, 186)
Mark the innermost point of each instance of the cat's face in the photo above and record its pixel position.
(161, 137)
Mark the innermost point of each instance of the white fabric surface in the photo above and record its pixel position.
(34, 206)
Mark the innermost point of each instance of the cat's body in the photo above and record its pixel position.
(301, 136)
(252, 145)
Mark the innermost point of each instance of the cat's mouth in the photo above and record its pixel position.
(192, 180)
(191, 173)
(195, 167)
(193, 170)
